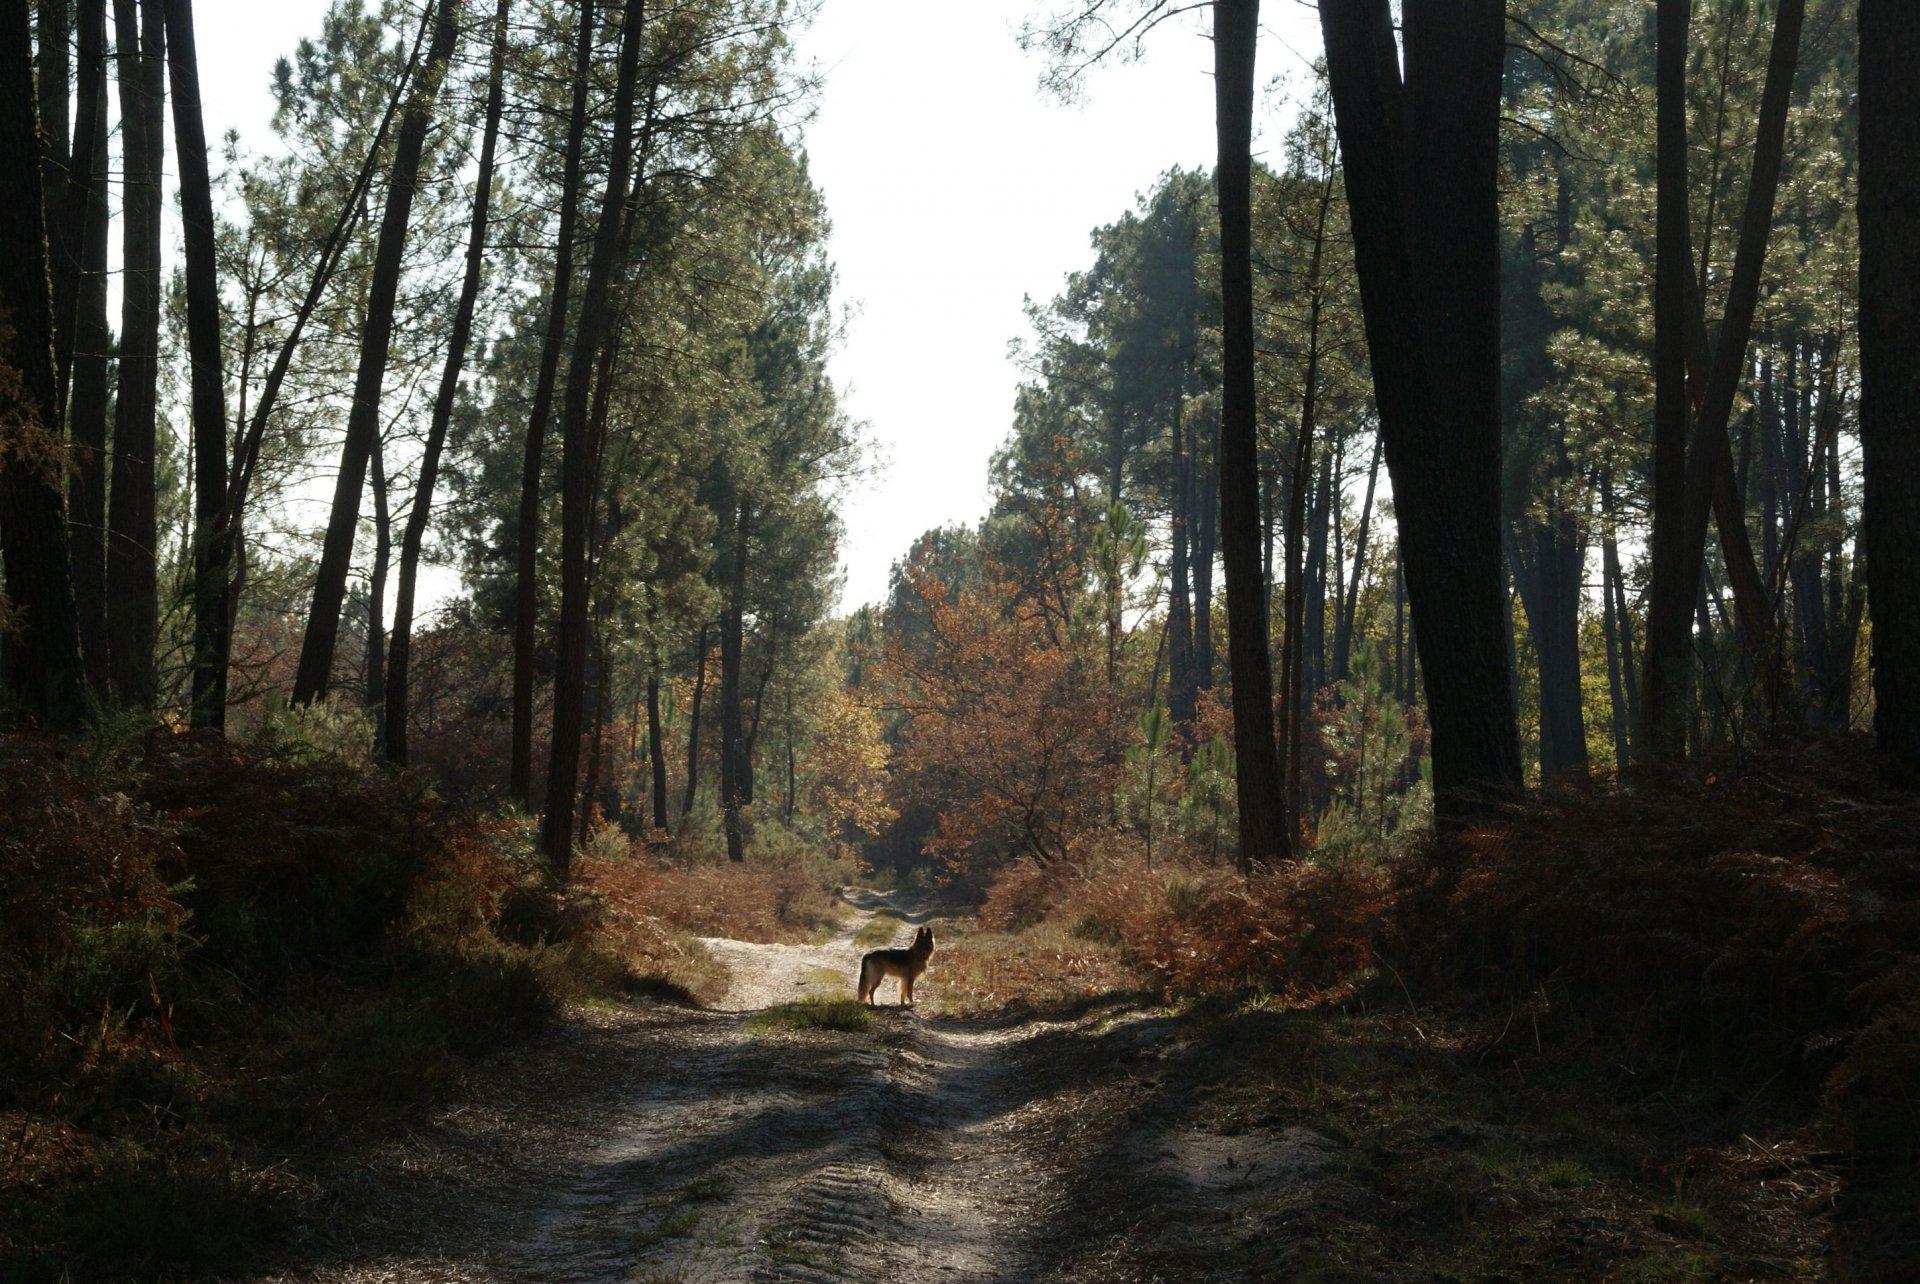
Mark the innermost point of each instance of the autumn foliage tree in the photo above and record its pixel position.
(1007, 719)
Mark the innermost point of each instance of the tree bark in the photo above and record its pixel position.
(1890, 383)
(576, 465)
(376, 653)
(1675, 576)
(1266, 826)
(56, 178)
(732, 746)
(656, 751)
(1292, 648)
(132, 534)
(401, 649)
(527, 529)
(43, 672)
(211, 529)
(314, 673)
(87, 406)
(693, 721)
(1421, 166)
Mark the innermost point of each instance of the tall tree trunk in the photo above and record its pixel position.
(376, 653)
(1890, 382)
(56, 177)
(1343, 626)
(527, 529)
(401, 650)
(87, 406)
(1322, 507)
(1616, 690)
(656, 750)
(132, 534)
(1421, 166)
(1292, 647)
(212, 548)
(732, 746)
(1206, 526)
(596, 738)
(1266, 826)
(43, 670)
(1549, 559)
(577, 454)
(314, 673)
(1614, 589)
(751, 740)
(693, 721)
(1180, 684)
(1681, 515)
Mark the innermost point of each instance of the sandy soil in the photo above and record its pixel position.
(661, 1144)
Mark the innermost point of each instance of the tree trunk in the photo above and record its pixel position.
(527, 529)
(1350, 604)
(1890, 382)
(732, 747)
(1180, 685)
(1548, 568)
(212, 548)
(1313, 581)
(576, 463)
(87, 406)
(56, 177)
(1292, 648)
(1266, 826)
(43, 673)
(414, 536)
(596, 739)
(693, 721)
(656, 751)
(376, 654)
(132, 534)
(1421, 166)
(1206, 526)
(1620, 629)
(1685, 490)
(314, 674)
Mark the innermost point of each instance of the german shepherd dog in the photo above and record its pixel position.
(906, 964)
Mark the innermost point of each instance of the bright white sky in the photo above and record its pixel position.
(956, 187)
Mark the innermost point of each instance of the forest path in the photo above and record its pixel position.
(656, 1143)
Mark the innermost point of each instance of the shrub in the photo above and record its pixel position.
(1292, 929)
(1766, 926)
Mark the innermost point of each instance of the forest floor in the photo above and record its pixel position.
(1109, 1138)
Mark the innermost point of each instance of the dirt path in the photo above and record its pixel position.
(779, 1155)
(664, 1144)
(650, 1144)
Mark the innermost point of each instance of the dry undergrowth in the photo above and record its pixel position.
(1664, 1032)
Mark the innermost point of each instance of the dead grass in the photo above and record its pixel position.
(977, 970)
(765, 903)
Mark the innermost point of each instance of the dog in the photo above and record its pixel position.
(906, 964)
